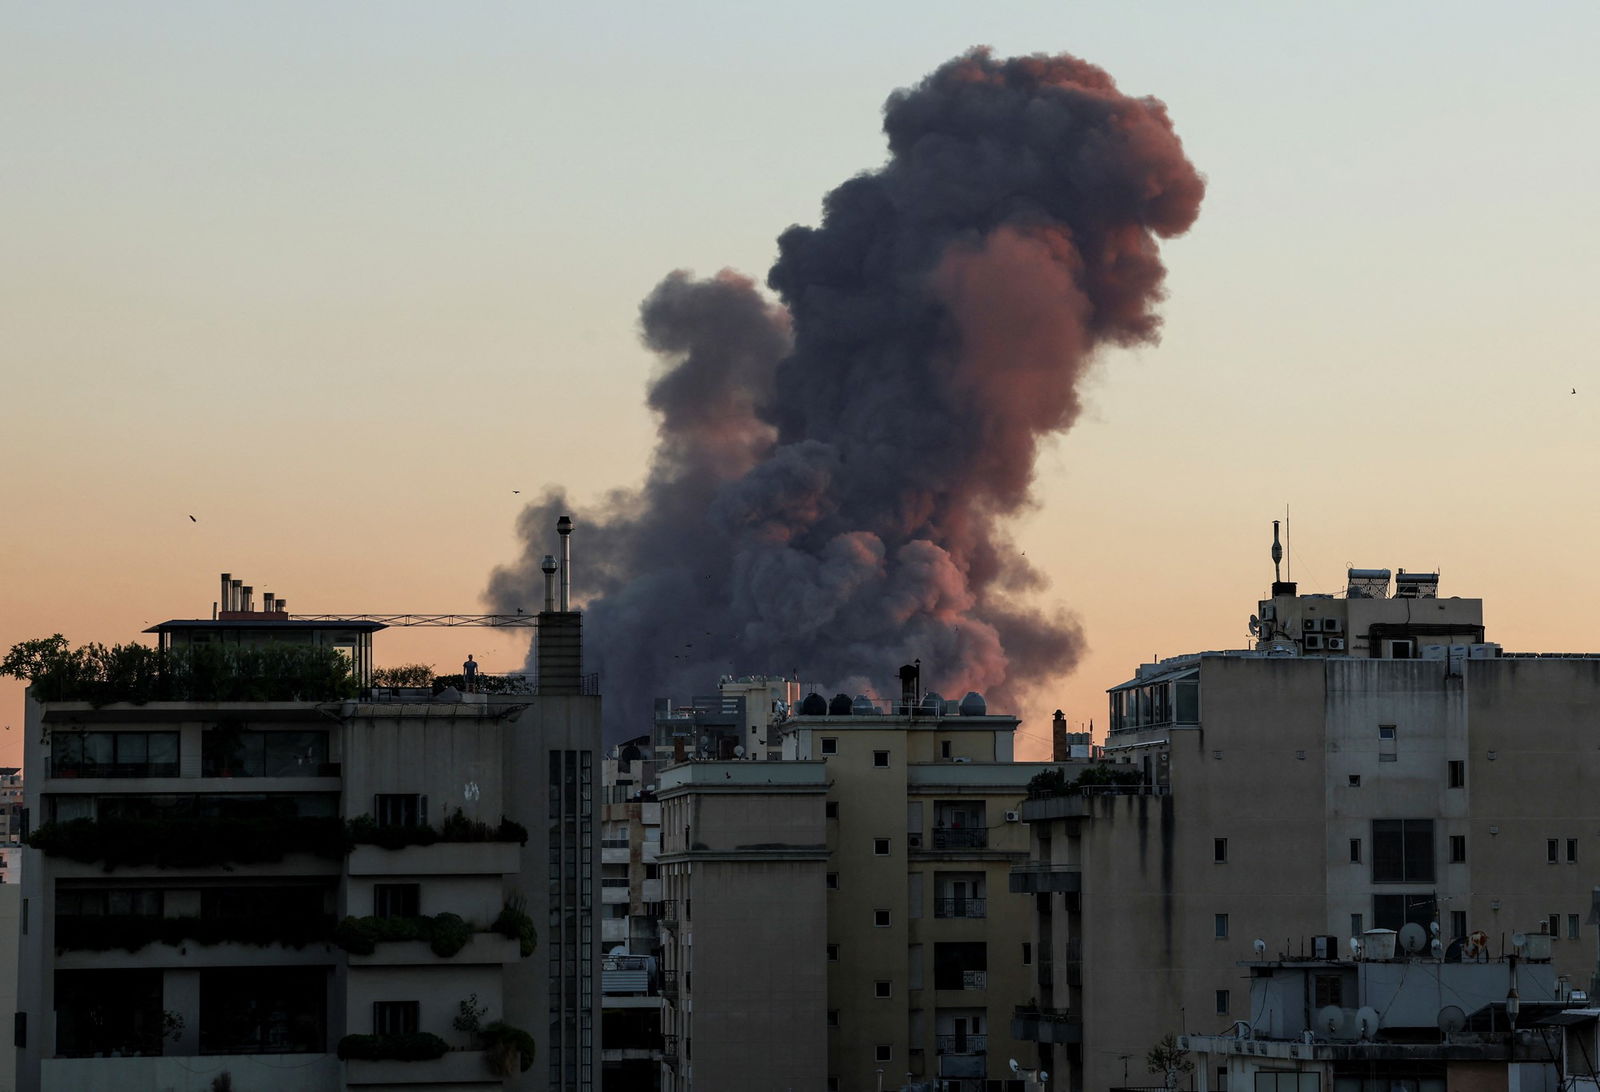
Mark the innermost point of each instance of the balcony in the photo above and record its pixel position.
(1046, 1026)
(1035, 878)
(960, 908)
(438, 859)
(455, 1068)
(961, 1044)
(669, 1050)
(960, 838)
(614, 892)
(75, 768)
(668, 914)
(669, 986)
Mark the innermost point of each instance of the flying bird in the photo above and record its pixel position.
(518, 490)
(1574, 390)
(193, 520)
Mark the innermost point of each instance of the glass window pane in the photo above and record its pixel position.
(163, 753)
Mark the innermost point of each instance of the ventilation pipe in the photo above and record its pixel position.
(548, 566)
(223, 602)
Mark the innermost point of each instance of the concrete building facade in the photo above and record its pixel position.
(1412, 772)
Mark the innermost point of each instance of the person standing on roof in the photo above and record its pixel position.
(469, 671)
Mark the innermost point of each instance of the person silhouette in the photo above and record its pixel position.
(470, 672)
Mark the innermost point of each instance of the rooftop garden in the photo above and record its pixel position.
(1100, 778)
(102, 674)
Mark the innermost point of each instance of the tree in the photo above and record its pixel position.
(1168, 1061)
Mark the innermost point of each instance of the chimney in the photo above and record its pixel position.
(1060, 749)
(548, 566)
(226, 582)
(249, 604)
(564, 529)
(235, 596)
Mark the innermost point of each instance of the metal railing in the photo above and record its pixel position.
(669, 985)
(959, 908)
(83, 768)
(960, 838)
(961, 1044)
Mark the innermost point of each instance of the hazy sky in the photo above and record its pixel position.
(336, 280)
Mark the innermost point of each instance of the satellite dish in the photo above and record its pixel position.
(1259, 945)
(705, 741)
(1355, 947)
(1452, 1019)
(1329, 1019)
(619, 950)
(1436, 946)
(1367, 1022)
(1413, 937)
(1433, 927)
(1044, 1078)
(1255, 626)
(1519, 940)
(1014, 1065)
(738, 752)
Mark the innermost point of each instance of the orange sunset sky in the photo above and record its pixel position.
(338, 282)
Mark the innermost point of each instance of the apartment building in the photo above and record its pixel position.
(263, 867)
(898, 821)
(740, 721)
(1372, 761)
(630, 849)
(10, 824)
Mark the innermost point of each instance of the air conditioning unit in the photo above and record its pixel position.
(1332, 625)
(1013, 816)
(1310, 625)
(1313, 641)
(1336, 644)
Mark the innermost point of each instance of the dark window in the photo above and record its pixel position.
(108, 1013)
(1287, 1080)
(1219, 849)
(1573, 927)
(1027, 953)
(396, 900)
(833, 881)
(881, 988)
(1554, 927)
(394, 1017)
(880, 847)
(114, 754)
(1386, 731)
(830, 745)
(959, 965)
(1572, 850)
(833, 953)
(1458, 924)
(944, 748)
(1457, 773)
(833, 1018)
(880, 918)
(1458, 848)
(1328, 990)
(880, 759)
(830, 810)
(1355, 851)
(1222, 1002)
(400, 809)
(228, 751)
(1219, 924)
(883, 1052)
(1355, 925)
(1355, 781)
(1402, 851)
(1397, 911)
(1552, 850)
(263, 1010)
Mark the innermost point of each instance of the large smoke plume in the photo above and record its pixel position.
(832, 479)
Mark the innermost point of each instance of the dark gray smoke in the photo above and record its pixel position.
(831, 483)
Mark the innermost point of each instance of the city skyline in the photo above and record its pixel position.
(326, 281)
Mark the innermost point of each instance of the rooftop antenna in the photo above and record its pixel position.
(1277, 555)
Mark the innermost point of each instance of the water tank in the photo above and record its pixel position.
(973, 705)
(814, 705)
(1378, 944)
(862, 706)
(932, 703)
(839, 706)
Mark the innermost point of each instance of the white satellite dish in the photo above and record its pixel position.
(1044, 1078)
(1367, 1022)
(1436, 946)
(1519, 941)
(1433, 927)
(1452, 1019)
(738, 752)
(1329, 1019)
(1260, 946)
(1014, 1065)
(1413, 937)
(1355, 947)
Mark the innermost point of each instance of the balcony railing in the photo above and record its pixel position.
(82, 768)
(669, 985)
(961, 1044)
(960, 838)
(1038, 877)
(959, 908)
(668, 914)
(669, 1049)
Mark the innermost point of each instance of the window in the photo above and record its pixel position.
(880, 847)
(1027, 953)
(881, 988)
(1554, 926)
(1287, 1080)
(394, 1017)
(830, 810)
(1219, 849)
(833, 953)
(1355, 925)
(883, 1052)
(1355, 851)
(247, 752)
(880, 759)
(1222, 1002)
(880, 919)
(1327, 989)
(400, 809)
(1219, 924)
(833, 1084)
(944, 748)
(960, 965)
(1386, 731)
(830, 745)
(1574, 927)
(1221, 1084)
(1572, 851)
(1458, 848)
(396, 900)
(832, 882)
(1402, 851)
(1397, 911)
(1355, 781)
(1457, 770)
(114, 754)
(1458, 924)
(833, 1018)
(1552, 850)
